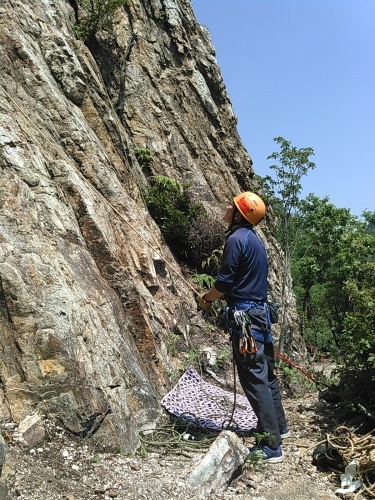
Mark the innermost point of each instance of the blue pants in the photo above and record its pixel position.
(261, 387)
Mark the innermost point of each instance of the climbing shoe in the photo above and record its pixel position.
(285, 433)
(266, 454)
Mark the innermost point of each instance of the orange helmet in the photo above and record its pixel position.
(251, 207)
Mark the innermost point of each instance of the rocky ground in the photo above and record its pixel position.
(62, 468)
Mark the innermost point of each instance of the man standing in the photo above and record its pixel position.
(242, 279)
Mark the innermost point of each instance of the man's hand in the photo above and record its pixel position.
(206, 306)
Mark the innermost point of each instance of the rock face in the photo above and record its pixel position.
(88, 290)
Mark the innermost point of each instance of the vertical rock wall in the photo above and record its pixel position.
(88, 289)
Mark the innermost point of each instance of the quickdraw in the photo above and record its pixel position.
(247, 344)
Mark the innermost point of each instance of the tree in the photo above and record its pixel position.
(333, 269)
(284, 192)
(358, 333)
(286, 188)
(320, 256)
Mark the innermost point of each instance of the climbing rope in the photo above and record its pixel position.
(356, 447)
(291, 363)
(351, 447)
(180, 437)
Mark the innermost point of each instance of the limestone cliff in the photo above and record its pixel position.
(88, 289)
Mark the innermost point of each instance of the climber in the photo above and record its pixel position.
(242, 281)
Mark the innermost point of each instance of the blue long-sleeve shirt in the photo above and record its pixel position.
(244, 269)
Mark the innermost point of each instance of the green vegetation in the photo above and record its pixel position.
(223, 357)
(332, 261)
(172, 344)
(173, 211)
(96, 15)
(143, 450)
(283, 193)
(145, 159)
(295, 380)
(204, 281)
(193, 236)
(264, 435)
(174, 375)
(193, 358)
(213, 261)
(255, 458)
(183, 222)
(333, 271)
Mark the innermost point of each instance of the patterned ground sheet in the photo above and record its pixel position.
(206, 406)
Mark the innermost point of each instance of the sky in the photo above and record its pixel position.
(303, 70)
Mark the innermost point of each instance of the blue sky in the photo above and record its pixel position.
(303, 70)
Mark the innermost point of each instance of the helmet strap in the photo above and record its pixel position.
(234, 215)
(238, 220)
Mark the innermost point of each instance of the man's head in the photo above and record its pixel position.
(251, 206)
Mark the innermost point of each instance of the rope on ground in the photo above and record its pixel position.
(352, 446)
(178, 438)
(360, 448)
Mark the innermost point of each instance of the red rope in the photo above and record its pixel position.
(287, 360)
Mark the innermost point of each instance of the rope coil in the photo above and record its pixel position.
(356, 447)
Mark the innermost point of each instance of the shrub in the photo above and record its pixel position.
(172, 210)
(96, 15)
(145, 160)
(204, 281)
(206, 238)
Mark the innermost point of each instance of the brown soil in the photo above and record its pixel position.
(67, 469)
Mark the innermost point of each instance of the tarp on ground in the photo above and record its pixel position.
(207, 406)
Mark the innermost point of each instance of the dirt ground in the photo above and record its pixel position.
(67, 469)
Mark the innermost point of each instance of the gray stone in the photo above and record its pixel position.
(223, 460)
(3, 452)
(4, 492)
(31, 430)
